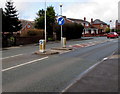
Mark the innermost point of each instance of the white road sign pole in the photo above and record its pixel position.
(61, 25)
(61, 34)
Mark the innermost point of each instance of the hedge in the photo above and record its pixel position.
(70, 30)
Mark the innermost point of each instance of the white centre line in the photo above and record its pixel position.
(11, 56)
(24, 64)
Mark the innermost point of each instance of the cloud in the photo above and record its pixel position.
(105, 10)
(26, 10)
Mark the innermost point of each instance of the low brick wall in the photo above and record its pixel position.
(93, 35)
(27, 40)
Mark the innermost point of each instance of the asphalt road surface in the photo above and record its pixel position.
(24, 71)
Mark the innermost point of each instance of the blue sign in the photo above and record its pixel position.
(61, 21)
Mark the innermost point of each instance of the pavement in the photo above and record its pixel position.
(102, 78)
(50, 42)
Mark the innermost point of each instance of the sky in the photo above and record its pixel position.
(104, 10)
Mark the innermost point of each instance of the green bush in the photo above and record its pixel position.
(107, 30)
(50, 39)
(117, 31)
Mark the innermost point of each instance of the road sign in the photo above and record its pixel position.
(61, 21)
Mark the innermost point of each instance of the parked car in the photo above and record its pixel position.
(112, 35)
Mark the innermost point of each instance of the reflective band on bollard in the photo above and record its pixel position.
(64, 42)
(42, 46)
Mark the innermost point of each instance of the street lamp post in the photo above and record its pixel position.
(45, 23)
(110, 25)
(61, 25)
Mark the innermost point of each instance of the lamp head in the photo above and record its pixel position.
(60, 5)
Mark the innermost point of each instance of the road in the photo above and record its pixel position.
(24, 71)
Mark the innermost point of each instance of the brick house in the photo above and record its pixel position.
(96, 27)
(117, 25)
(100, 25)
(26, 25)
(88, 28)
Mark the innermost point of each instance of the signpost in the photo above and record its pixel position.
(61, 22)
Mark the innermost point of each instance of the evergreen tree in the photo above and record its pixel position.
(10, 19)
(39, 21)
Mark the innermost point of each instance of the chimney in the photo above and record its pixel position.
(91, 20)
(84, 18)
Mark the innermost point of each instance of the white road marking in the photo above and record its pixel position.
(24, 64)
(83, 74)
(13, 47)
(64, 52)
(80, 76)
(105, 58)
(69, 45)
(87, 44)
(11, 56)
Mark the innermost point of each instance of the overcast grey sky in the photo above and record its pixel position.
(104, 10)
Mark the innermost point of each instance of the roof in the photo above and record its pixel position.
(97, 21)
(82, 21)
(25, 22)
(78, 20)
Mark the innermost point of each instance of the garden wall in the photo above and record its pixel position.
(27, 40)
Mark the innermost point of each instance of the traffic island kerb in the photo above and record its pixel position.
(48, 52)
(62, 48)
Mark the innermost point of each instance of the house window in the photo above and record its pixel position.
(86, 32)
(86, 24)
(28, 26)
(101, 25)
(92, 31)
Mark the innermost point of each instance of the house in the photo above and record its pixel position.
(95, 27)
(117, 25)
(88, 28)
(100, 25)
(26, 25)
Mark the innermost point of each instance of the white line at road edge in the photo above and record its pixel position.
(12, 56)
(80, 76)
(84, 73)
(24, 64)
